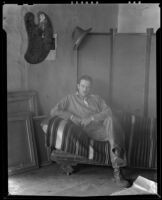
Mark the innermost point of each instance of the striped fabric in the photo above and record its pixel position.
(66, 136)
(140, 140)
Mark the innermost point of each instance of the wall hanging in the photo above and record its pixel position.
(40, 37)
(78, 35)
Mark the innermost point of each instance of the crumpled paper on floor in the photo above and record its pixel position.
(140, 186)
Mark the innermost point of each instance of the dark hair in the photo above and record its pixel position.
(85, 77)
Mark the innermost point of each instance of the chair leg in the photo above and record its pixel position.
(64, 161)
(66, 168)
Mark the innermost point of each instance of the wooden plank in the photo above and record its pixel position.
(153, 76)
(108, 33)
(42, 150)
(99, 33)
(113, 32)
(147, 70)
(22, 152)
(22, 101)
(136, 34)
(76, 64)
(131, 139)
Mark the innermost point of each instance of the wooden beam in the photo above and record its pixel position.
(112, 49)
(76, 64)
(147, 70)
(99, 33)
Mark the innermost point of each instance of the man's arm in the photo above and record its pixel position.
(105, 111)
(61, 109)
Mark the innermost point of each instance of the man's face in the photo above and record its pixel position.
(84, 88)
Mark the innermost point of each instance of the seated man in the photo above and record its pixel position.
(95, 117)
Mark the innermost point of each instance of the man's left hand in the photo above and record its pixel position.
(86, 121)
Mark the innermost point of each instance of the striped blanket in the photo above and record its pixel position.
(140, 140)
(64, 135)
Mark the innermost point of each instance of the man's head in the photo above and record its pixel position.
(84, 85)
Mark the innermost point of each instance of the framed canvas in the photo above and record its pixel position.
(22, 101)
(22, 152)
(42, 150)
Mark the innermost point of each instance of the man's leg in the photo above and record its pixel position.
(118, 161)
(117, 150)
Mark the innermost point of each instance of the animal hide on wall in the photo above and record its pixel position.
(40, 37)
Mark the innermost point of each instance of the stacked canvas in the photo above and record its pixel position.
(140, 140)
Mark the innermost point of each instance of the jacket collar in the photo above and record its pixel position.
(83, 98)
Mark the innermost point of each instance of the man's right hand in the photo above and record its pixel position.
(45, 127)
(76, 120)
(86, 121)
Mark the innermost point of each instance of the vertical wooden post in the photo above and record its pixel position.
(151, 142)
(147, 70)
(112, 50)
(76, 64)
(133, 121)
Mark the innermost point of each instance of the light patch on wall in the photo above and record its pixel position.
(136, 18)
(52, 53)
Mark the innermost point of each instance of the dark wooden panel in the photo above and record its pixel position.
(22, 154)
(94, 59)
(129, 73)
(43, 152)
(22, 101)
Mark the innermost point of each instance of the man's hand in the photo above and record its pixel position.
(86, 121)
(45, 128)
(75, 119)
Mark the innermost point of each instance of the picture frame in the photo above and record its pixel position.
(22, 101)
(42, 150)
(22, 152)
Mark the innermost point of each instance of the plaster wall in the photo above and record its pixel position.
(53, 79)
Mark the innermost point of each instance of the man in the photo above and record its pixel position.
(95, 117)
